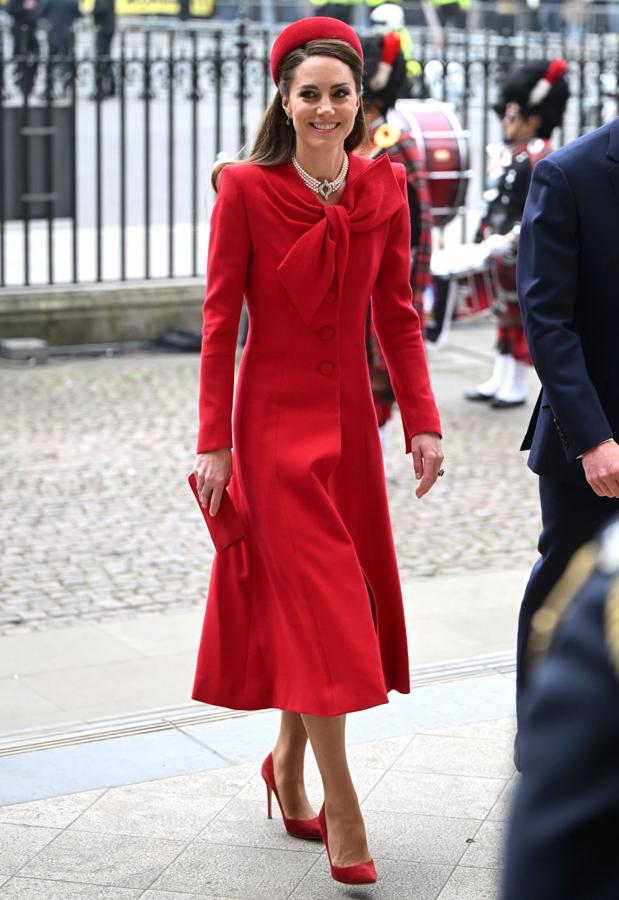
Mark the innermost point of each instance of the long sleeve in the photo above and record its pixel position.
(548, 289)
(398, 329)
(228, 261)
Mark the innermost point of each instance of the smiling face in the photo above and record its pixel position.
(322, 103)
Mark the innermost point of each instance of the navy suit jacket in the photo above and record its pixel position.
(568, 285)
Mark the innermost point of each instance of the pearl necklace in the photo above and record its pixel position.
(325, 188)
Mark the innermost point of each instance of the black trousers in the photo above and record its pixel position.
(571, 515)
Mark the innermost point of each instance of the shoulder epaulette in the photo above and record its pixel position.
(611, 623)
(608, 562)
(548, 616)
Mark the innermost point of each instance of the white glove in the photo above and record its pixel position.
(498, 245)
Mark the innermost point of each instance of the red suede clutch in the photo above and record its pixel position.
(226, 527)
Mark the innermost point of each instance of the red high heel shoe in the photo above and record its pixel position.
(308, 829)
(362, 873)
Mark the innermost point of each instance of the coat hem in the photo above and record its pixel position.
(309, 710)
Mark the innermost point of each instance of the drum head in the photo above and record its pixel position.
(444, 146)
(459, 260)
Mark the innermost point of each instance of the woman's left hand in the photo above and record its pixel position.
(427, 460)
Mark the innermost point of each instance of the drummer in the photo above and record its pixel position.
(532, 105)
(384, 81)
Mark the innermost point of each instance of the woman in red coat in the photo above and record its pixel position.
(304, 612)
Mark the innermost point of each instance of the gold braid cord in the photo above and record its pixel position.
(546, 619)
(611, 620)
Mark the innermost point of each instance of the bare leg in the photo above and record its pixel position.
(345, 826)
(288, 761)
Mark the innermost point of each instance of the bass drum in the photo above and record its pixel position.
(445, 147)
(465, 285)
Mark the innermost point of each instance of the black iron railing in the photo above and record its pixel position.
(105, 161)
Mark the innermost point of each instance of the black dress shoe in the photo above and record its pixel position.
(506, 404)
(477, 396)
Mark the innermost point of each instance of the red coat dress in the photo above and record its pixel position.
(305, 613)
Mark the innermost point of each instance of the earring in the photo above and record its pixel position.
(287, 120)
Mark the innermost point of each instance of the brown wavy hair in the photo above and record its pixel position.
(275, 141)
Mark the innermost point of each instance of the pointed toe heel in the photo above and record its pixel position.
(362, 873)
(305, 829)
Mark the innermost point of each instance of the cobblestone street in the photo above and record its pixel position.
(97, 520)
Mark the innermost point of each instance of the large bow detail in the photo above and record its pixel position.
(316, 262)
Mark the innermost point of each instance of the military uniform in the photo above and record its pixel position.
(532, 102)
(509, 177)
(566, 809)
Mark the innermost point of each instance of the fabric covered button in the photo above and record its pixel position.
(326, 368)
(326, 333)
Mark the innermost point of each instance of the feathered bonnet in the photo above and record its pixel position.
(539, 88)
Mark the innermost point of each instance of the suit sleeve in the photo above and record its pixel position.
(228, 261)
(548, 290)
(398, 328)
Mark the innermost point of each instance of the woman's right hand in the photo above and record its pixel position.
(213, 471)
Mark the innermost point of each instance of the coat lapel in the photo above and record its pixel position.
(613, 156)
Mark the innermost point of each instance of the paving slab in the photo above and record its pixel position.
(236, 871)
(472, 884)
(365, 781)
(55, 812)
(499, 730)
(244, 823)
(450, 755)
(416, 793)
(107, 859)
(169, 895)
(48, 651)
(378, 754)
(128, 684)
(486, 851)
(155, 810)
(502, 808)
(398, 880)
(42, 889)
(21, 843)
(436, 839)
(22, 707)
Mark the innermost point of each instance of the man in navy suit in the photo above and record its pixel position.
(568, 285)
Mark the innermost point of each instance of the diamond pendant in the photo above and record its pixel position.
(324, 189)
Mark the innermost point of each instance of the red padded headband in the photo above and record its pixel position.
(314, 28)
